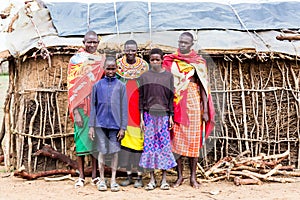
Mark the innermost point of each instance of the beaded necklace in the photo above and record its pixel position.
(131, 71)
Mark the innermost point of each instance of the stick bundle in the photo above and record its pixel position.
(251, 170)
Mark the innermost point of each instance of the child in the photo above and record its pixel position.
(108, 120)
(156, 110)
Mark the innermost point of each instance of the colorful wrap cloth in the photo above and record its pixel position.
(129, 73)
(84, 70)
(183, 67)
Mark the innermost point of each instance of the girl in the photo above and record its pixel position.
(156, 110)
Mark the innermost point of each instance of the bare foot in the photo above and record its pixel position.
(178, 182)
(194, 184)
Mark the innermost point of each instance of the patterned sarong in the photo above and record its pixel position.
(157, 147)
(186, 140)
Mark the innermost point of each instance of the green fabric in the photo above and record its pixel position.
(81, 136)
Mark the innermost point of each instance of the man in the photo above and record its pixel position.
(129, 69)
(84, 69)
(193, 108)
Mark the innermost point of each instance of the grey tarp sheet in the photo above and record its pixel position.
(26, 37)
(74, 18)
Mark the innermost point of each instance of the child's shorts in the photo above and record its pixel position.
(106, 141)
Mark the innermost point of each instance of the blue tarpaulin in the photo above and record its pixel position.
(74, 18)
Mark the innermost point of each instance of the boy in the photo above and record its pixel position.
(108, 120)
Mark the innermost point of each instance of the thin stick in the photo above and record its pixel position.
(31, 133)
(244, 112)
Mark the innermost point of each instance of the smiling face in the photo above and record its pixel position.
(91, 43)
(130, 51)
(110, 68)
(185, 44)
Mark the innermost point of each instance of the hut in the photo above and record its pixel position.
(254, 76)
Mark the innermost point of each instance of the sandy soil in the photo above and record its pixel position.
(17, 188)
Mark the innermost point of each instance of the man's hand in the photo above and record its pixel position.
(92, 133)
(121, 134)
(77, 118)
(205, 117)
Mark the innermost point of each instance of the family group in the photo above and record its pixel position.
(140, 116)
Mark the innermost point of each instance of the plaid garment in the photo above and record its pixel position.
(186, 140)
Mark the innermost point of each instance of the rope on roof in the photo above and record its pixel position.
(88, 16)
(243, 25)
(116, 19)
(150, 22)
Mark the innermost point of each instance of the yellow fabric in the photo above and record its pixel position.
(184, 66)
(134, 138)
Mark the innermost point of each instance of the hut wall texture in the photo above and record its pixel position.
(257, 105)
(257, 108)
(40, 111)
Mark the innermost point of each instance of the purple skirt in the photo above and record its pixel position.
(157, 152)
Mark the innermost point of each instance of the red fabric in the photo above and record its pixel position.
(133, 101)
(81, 82)
(180, 108)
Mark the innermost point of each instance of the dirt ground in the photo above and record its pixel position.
(17, 188)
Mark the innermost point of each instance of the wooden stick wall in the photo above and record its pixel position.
(257, 104)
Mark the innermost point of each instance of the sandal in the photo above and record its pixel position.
(114, 187)
(102, 186)
(164, 186)
(150, 186)
(138, 183)
(79, 183)
(127, 182)
(95, 181)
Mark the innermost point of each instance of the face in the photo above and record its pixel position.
(130, 51)
(184, 44)
(110, 68)
(155, 60)
(91, 43)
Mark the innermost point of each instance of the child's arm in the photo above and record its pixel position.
(142, 123)
(171, 101)
(124, 113)
(141, 107)
(171, 122)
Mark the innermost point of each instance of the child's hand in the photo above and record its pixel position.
(92, 133)
(142, 125)
(121, 134)
(171, 123)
